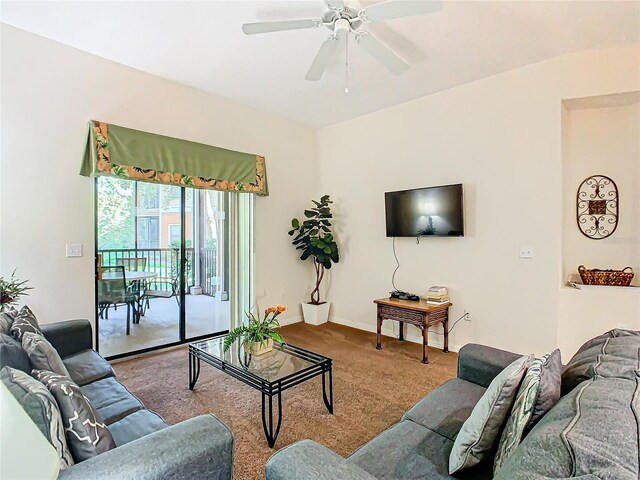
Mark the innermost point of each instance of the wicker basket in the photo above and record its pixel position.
(614, 278)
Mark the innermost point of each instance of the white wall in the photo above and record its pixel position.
(49, 92)
(501, 137)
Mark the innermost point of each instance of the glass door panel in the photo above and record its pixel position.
(134, 233)
(207, 299)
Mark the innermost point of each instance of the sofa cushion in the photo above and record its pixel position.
(6, 320)
(446, 408)
(136, 425)
(42, 355)
(612, 354)
(87, 434)
(87, 366)
(479, 436)
(522, 411)
(593, 430)
(550, 388)
(409, 451)
(111, 399)
(24, 321)
(41, 407)
(13, 355)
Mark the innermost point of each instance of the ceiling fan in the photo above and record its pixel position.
(343, 20)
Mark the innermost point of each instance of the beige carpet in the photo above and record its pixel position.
(372, 389)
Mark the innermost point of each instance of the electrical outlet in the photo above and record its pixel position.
(467, 316)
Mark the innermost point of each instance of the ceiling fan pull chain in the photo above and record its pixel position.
(346, 65)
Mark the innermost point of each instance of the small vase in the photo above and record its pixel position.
(259, 348)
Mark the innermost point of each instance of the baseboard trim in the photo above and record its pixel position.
(387, 330)
(290, 320)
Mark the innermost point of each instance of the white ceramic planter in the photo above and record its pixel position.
(260, 348)
(316, 314)
(195, 290)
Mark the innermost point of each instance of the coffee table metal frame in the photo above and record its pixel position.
(322, 366)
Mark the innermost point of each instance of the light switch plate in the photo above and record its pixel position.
(74, 250)
(526, 252)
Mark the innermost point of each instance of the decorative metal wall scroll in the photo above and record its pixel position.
(597, 207)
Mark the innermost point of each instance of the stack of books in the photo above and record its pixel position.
(437, 296)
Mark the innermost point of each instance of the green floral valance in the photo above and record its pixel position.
(147, 157)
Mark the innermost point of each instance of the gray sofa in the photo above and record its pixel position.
(592, 433)
(147, 448)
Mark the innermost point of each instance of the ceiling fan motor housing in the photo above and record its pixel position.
(331, 17)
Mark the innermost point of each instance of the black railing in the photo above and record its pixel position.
(164, 262)
(208, 270)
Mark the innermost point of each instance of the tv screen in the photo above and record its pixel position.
(433, 211)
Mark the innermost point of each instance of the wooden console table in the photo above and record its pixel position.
(420, 314)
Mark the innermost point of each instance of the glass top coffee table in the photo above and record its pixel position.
(271, 373)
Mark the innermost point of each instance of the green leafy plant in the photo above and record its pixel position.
(314, 238)
(12, 289)
(257, 330)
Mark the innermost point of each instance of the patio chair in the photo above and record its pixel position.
(154, 290)
(113, 291)
(135, 264)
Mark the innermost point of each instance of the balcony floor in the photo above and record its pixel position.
(159, 325)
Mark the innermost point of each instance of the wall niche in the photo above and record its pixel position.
(601, 136)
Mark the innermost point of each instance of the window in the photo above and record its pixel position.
(174, 234)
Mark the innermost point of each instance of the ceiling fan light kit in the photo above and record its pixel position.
(343, 20)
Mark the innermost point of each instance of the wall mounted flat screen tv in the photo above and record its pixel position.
(433, 211)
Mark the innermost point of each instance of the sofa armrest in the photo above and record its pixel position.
(310, 460)
(480, 364)
(69, 337)
(201, 447)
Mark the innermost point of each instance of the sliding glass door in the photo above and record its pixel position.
(182, 256)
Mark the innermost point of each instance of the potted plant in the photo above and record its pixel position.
(314, 238)
(11, 290)
(257, 335)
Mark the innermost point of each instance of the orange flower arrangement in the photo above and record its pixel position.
(257, 330)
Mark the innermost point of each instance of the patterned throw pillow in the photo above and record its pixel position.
(533, 395)
(36, 400)
(479, 435)
(24, 321)
(87, 434)
(42, 355)
(6, 320)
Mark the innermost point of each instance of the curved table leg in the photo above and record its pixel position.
(328, 400)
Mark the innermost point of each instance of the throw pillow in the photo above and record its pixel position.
(24, 321)
(87, 434)
(550, 388)
(6, 320)
(42, 355)
(36, 400)
(12, 354)
(532, 396)
(479, 435)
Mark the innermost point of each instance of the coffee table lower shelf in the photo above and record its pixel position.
(269, 389)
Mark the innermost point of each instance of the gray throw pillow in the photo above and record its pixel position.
(479, 435)
(40, 405)
(12, 354)
(550, 388)
(87, 434)
(530, 398)
(6, 320)
(24, 321)
(42, 355)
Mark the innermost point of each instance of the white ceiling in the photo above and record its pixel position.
(201, 44)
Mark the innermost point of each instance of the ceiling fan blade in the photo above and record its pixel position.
(381, 53)
(334, 4)
(323, 57)
(398, 8)
(266, 27)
